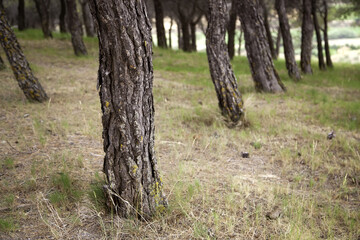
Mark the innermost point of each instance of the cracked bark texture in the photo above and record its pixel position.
(21, 15)
(318, 35)
(230, 100)
(88, 21)
(125, 79)
(262, 67)
(75, 28)
(307, 32)
(291, 64)
(20, 66)
(160, 30)
(231, 30)
(42, 7)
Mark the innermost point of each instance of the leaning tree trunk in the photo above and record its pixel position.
(20, 66)
(291, 65)
(318, 35)
(267, 28)
(42, 7)
(259, 56)
(88, 22)
(307, 31)
(75, 28)
(231, 30)
(125, 80)
(326, 38)
(230, 101)
(21, 15)
(160, 30)
(62, 21)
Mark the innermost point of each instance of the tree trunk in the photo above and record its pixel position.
(62, 20)
(2, 64)
(20, 66)
(231, 30)
(125, 80)
(318, 36)
(170, 30)
(88, 22)
(193, 37)
(307, 31)
(240, 41)
(278, 42)
(185, 33)
(291, 65)
(326, 38)
(262, 67)
(230, 101)
(180, 38)
(21, 15)
(267, 28)
(75, 28)
(42, 7)
(160, 30)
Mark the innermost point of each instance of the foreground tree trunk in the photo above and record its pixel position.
(62, 20)
(88, 22)
(231, 30)
(21, 15)
(259, 56)
(291, 65)
(267, 28)
(125, 80)
(160, 30)
(326, 38)
(42, 7)
(318, 35)
(20, 66)
(230, 101)
(75, 28)
(307, 31)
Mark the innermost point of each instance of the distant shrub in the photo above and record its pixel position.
(338, 33)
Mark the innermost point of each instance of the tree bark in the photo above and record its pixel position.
(230, 101)
(88, 21)
(307, 32)
(185, 33)
(29, 84)
(259, 56)
(21, 15)
(326, 38)
(278, 42)
(160, 30)
(75, 28)
(179, 35)
(291, 64)
(318, 35)
(231, 30)
(126, 80)
(62, 15)
(267, 28)
(42, 7)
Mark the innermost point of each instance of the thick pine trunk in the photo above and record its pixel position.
(75, 28)
(125, 80)
(231, 30)
(42, 7)
(318, 35)
(21, 15)
(326, 38)
(62, 19)
(88, 21)
(259, 56)
(307, 32)
(267, 28)
(291, 64)
(20, 66)
(160, 30)
(230, 101)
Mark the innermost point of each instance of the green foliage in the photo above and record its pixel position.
(7, 225)
(65, 190)
(9, 163)
(344, 32)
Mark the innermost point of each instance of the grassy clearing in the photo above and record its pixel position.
(51, 154)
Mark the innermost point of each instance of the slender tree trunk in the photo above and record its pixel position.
(230, 101)
(125, 80)
(160, 30)
(307, 32)
(193, 37)
(326, 38)
(291, 65)
(20, 66)
(170, 31)
(21, 15)
(179, 35)
(240, 41)
(88, 22)
(318, 35)
(278, 42)
(62, 19)
(262, 67)
(231, 30)
(267, 28)
(75, 28)
(42, 7)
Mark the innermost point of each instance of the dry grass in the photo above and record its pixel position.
(51, 159)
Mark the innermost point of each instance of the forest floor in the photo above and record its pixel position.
(296, 184)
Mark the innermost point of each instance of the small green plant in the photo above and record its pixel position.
(9, 163)
(7, 225)
(96, 192)
(257, 145)
(65, 190)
